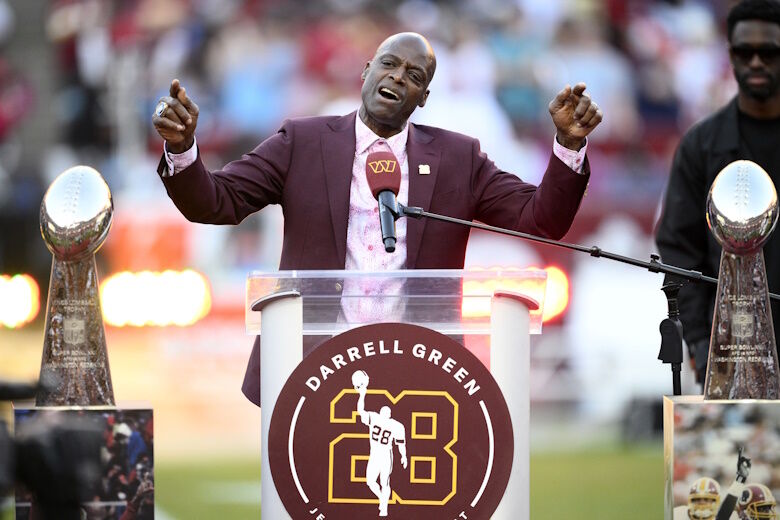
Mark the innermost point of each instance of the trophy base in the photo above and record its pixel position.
(703, 439)
(125, 462)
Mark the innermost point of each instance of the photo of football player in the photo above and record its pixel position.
(711, 439)
(757, 503)
(704, 500)
(728, 508)
(384, 433)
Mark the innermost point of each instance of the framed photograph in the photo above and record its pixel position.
(722, 458)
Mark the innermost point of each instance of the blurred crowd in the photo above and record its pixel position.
(707, 439)
(125, 489)
(127, 458)
(654, 66)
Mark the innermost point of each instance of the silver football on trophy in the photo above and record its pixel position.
(76, 213)
(742, 207)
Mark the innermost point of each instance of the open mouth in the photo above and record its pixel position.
(389, 94)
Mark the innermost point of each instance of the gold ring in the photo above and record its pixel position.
(160, 109)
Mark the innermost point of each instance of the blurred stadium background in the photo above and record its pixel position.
(80, 78)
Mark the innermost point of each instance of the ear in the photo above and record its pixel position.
(733, 63)
(365, 71)
(732, 58)
(424, 99)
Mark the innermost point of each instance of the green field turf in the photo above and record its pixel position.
(599, 483)
(604, 484)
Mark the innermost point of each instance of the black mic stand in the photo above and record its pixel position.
(671, 327)
(672, 334)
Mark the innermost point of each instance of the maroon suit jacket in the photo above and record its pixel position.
(307, 168)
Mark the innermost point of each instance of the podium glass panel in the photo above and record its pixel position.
(449, 301)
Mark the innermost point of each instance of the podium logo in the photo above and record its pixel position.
(383, 166)
(390, 420)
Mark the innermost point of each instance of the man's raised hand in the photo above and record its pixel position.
(575, 115)
(175, 118)
(743, 466)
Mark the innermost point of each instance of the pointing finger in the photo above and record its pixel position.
(184, 98)
(174, 87)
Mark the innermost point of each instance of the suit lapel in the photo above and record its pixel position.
(419, 153)
(338, 155)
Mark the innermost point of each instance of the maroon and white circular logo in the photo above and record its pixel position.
(390, 420)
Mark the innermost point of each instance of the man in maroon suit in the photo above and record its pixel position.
(315, 168)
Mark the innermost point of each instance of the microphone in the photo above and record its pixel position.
(384, 178)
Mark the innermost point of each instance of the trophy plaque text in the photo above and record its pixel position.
(742, 212)
(76, 215)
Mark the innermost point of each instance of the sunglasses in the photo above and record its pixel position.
(745, 53)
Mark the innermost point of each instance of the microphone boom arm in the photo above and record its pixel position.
(671, 328)
(654, 265)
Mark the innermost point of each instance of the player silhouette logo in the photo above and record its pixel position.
(384, 432)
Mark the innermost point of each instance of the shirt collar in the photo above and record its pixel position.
(365, 137)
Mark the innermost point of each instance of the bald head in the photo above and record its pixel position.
(414, 39)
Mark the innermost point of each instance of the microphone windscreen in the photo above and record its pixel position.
(383, 172)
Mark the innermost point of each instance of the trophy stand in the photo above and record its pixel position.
(742, 213)
(74, 360)
(743, 358)
(75, 403)
(742, 387)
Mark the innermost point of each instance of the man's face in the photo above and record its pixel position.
(755, 55)
(395, 81)
(766, 511)
(701, 508)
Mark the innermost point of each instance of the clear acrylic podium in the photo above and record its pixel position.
(494, 308)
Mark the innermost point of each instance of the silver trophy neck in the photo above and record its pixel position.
(742, 207)
(76, 213)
